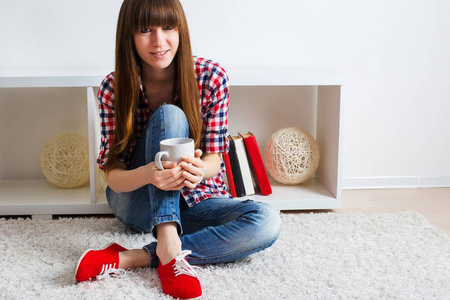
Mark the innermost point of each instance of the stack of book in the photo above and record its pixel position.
(245, 168)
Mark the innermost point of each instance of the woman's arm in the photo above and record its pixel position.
(121, 180)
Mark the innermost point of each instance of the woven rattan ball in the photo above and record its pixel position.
(292, 155)
(65, 160)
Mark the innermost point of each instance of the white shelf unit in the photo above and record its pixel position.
(37, 106)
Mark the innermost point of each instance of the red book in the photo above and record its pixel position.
(260, 174)
(226, 159)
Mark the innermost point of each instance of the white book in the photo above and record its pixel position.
(244, 165)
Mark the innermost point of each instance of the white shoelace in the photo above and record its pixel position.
(110, 270)
(181, 266)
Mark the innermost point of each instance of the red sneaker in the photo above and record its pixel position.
(95, 264)
(178, 278)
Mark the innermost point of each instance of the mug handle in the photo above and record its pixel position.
(158, 157)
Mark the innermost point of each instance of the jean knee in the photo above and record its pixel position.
(270, 223)
(174, 121)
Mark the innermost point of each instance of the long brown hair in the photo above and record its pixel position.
(135, 15)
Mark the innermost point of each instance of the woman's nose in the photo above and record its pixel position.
(157, 37)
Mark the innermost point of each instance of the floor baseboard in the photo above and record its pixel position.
(395, 182)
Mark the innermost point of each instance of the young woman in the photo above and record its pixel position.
(159, 91)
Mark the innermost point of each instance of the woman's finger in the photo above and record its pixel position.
(168, 164)
(195, 170)
(174, 173)
(191, 177)
(197, 162)
(198, 153)
(189, 184)
(175, 185)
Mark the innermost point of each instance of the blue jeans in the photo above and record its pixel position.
(215, 230)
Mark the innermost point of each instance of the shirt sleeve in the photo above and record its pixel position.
(215, 103)
(105, 96)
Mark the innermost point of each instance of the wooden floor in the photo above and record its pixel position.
(433, 203)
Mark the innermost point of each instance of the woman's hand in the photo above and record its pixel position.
(169, 179)
(194, 169)
(174, 177)
(121, 180)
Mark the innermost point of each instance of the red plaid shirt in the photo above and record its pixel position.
(214, 98)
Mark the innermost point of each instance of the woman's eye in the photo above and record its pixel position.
(167, 27)
(145, 30)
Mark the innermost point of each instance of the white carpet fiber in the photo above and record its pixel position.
(317, 256)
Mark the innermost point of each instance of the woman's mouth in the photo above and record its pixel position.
(159, 54)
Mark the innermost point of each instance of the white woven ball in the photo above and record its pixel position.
(292, 155)
(65, 160)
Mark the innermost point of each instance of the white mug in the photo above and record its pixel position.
(174, 150)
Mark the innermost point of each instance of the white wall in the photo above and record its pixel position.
(394, 54)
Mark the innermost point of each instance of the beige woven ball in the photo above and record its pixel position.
(292, 155)
(65, 160)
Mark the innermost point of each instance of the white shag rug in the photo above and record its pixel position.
(317, 256)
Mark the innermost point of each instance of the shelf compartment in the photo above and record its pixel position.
(264, 110)
(29, 117)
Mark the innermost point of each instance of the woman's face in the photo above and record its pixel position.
(157, 46)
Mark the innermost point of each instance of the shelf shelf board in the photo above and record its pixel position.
(51, 81)
(308, 195)
(259, 76)
(31, 197)
(41, 197)
(238, 77)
